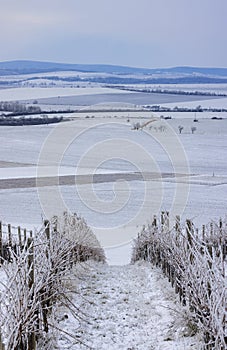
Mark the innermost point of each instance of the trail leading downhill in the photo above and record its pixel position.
(129, 307)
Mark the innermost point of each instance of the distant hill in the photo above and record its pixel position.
(116, 74)
(197, 70)
(28, 67)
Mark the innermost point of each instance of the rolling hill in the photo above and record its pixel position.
(119, 74)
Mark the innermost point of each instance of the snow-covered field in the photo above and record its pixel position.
(116, 211)
(104, 143)
(27, 93)
(126, 307)
(205, 103)
(135, 98)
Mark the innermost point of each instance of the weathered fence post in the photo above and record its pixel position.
(19, 237)
(154, 222)
(177, 225)
(31, 262)
(31, 336)
(47, 229)
(46, 303)
(220, 226)
(55, 223)
(167, 220)
(162, 220)
(47, 233)
(189, 231)
(211, 228)
(10, 236)
(25, 236)
(223, 240)
(203, 232)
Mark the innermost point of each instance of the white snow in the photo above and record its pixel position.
(212, 103)
(119, 255)
(27, 93)
(205, 151)
(131, 307)
(128, 307)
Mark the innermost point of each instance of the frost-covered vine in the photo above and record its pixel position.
(195, 265)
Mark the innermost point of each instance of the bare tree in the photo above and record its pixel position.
(180, 128)
(136, 126)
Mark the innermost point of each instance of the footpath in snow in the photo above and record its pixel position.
(129, 307)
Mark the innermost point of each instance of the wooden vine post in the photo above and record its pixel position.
(47, 230)
(10, 236)
(19, 238)
(25, 236)
(46, 304)
(177, 225)
(31, 336)
(154, 222)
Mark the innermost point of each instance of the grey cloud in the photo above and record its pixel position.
(132, 32)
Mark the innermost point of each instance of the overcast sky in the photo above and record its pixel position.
(142, 33)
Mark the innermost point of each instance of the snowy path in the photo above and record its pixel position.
(128, 307)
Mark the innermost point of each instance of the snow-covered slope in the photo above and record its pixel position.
(129, 307)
